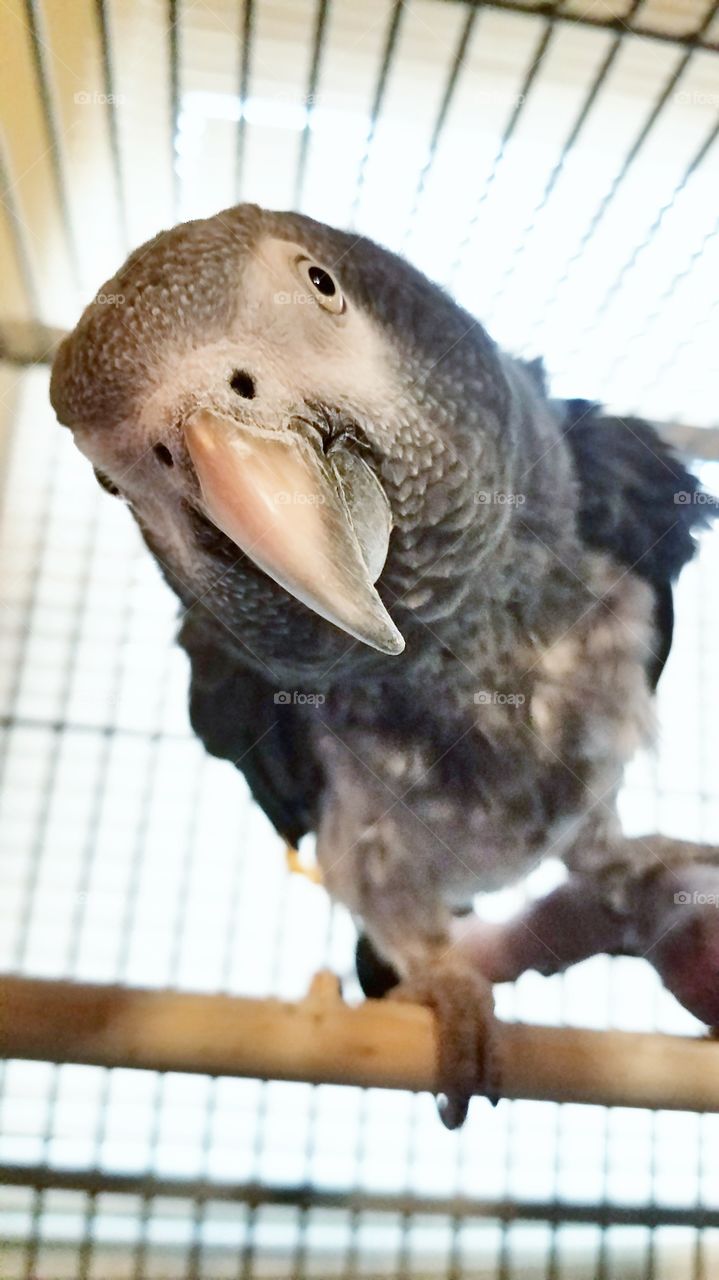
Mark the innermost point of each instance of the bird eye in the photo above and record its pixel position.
(325, 289)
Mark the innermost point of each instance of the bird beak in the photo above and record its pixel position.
(317, 523)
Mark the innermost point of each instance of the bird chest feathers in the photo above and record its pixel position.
(483, 785)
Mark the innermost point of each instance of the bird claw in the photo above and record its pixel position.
(684, 938)
(467, 1057)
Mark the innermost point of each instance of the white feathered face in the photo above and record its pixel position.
(273, 398)
(266, 431)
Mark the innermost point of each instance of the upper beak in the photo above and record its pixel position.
(317, 523)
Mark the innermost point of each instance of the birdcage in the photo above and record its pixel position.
(556, 166)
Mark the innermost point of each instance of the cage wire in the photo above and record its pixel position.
(557, 166)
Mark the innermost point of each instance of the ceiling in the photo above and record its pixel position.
(556, 170)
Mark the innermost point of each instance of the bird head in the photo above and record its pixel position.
(295, 417)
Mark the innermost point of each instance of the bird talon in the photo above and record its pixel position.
(452, 1110)
(467, 1059)
(681, 935)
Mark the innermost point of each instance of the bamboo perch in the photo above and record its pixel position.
(323, 1041)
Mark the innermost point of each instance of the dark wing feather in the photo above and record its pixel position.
(638, 502)
(234, 712)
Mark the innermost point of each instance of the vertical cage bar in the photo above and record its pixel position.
(103, 23)
(524, 239)
(173, 36)
(310, 97)
(39, 52)
(535, 66)
(390, 45)
(456, 67)
(243, 91)
(634, 150)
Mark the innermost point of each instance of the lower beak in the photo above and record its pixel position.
(317, 523)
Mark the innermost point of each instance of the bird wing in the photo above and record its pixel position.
(638, 502)
(235, 712)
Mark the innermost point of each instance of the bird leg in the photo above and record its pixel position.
(658, 899)
(568, 925)
(409, 926)
(461, 1000)
(677, 929)
(654, 898)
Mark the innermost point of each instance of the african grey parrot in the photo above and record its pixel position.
(425, 605)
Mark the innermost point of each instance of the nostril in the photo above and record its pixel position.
(243, 384)
(163, 455)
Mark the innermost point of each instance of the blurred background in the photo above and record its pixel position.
(557, 167)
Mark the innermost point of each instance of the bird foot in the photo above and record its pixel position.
(681, 928)
(467, 1053)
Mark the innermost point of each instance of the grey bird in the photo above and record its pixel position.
(425, 605)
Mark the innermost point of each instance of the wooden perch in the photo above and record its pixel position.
(323, 1041)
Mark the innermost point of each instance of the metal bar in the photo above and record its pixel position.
(639, 249)
(447, 96)
(8, 437)
(323, 1041)
(534, 67)
(688, 334)
(184, 872)
(39, 47)
(380, 87)
(101, 730)
(32, 1241)
(317, 46)
(28, 342)
(173, 36)
(140, 1248)
(629, 159)
(672, 432)
(558, 168)
(588, 19)
(83, 883)
(50, 486)
(52, 765)
(243, 90)
(109, 80)
(16, 224)
(257, 1195)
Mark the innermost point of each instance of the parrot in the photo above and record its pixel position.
(425, 604)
